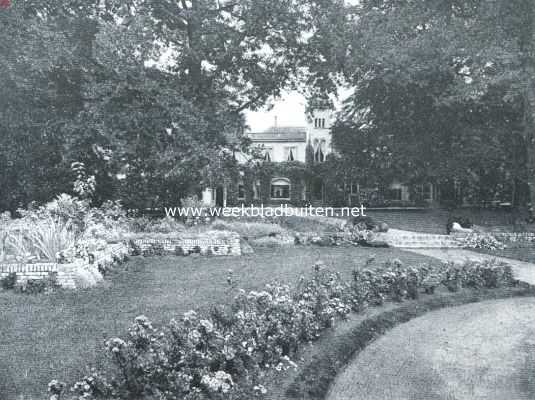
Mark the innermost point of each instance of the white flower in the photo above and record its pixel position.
(260, 388)
(207, 325)
(190, 315)
(465, 70)
(194, 336)
(219, 382)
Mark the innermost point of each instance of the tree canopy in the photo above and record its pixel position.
(145, 93)
(443, 91)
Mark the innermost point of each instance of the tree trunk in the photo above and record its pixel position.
(529, 130)
(527, 45)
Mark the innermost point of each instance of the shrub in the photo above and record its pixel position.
(33, 286)
(453, 277)
(139, 224)
(165, 225)
(9, 282)
(64, 208)
(366, 222)
(482, 241)
(250, 230)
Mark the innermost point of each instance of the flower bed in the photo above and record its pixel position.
(232, 352)
(482, 241)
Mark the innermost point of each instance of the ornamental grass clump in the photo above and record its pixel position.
(42, 239)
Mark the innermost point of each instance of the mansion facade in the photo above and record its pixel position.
(285, 179)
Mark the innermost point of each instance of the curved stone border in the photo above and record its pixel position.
(69, 274)
(315, 377)
(200, 244)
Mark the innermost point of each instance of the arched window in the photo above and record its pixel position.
(280, 189)
(319, 150)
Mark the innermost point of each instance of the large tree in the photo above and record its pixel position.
(468, 58)
(148, 91)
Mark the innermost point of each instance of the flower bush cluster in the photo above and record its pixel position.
(64, 229)
(397, 282)
(234, 350)
(474, 274)
(482, 241)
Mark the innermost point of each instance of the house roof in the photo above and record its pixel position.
(280, 134)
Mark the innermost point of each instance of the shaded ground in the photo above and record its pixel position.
(55, 336)
(472, 352)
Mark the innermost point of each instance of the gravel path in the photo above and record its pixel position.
(473, 352)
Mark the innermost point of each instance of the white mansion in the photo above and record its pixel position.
(283, 144)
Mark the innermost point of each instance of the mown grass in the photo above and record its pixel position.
(43, 337)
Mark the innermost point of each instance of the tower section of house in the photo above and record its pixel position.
(319, 133)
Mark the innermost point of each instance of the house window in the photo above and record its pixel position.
(280, 189)
(268, 154)
(256, 190)
(290, 153)
(424, 192)
(395, 194)
(319, 122)
(319, 150)
(241, 191)
(428, 192)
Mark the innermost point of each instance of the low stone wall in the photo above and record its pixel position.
(228, 246)
(82, 273)
(28, 271)
(73, 275)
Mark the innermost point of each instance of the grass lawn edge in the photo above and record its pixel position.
(334, 352)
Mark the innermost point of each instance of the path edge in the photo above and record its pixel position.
(317, 375)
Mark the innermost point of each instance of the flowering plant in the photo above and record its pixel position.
(482, 241)
(231, 352)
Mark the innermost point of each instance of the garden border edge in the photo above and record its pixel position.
(316, 376)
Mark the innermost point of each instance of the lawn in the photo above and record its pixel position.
(471, 352)
(57, 335)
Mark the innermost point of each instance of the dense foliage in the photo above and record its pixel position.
(441, 93)
(148, 95)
